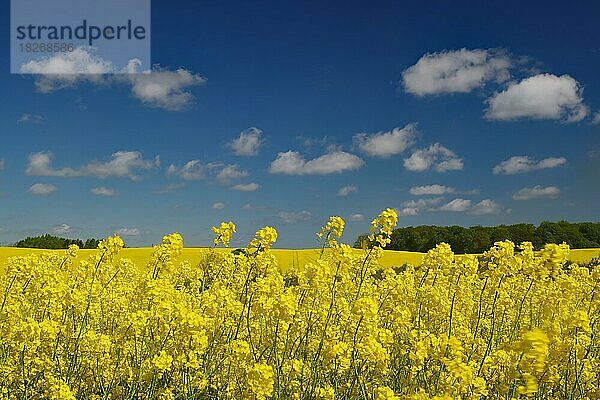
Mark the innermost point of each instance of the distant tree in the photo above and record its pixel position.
(52, 242)
(478, 239)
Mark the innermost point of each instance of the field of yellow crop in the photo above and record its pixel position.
(333, 323)
(286, 258)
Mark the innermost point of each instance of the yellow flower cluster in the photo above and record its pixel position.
(509, 324)
(223, 233)
(382, 226)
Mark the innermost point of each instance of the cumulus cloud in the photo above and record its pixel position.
(522, 164)
(128, 232)
(61, 229)
(218, 206)
(26, 118)
(346, 190)
(386, 144)
(293, 217)
(103, 191)
(67, 69)
(79, 61)
(42, 189)
(293, 163)
(435, 156)
(170, 188)
(230, 173)
(430, 190)
(537, 192)
(408, 211)
(543, 96)
(248, 143)
(356, 217)
(40, 164)
(160, 88)
(247, 187)
(596, 119)
(414, 207)
(457, 71)
(191, 171)
(486, 206)
(456, 205)
(194, 170)
(165, 89)
(122, 164)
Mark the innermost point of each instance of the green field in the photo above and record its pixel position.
(286, 258)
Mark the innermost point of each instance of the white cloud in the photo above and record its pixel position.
(414, 207)
(537, 192)
(122, 164)
(387, 144)
(67, 69)
(430, 190)
(103, 191)
(486, 206)
(293, 217)
(356, 217)
(248, 143)
(192, 171)
(522, 164)
(543, 96)
(408, 211)
(596, 119)
(61, 229)
(247, 187)
(2, 164)
(457, 71)
(159, 88)
(230, 173)
(218, 206)
(30, 118)
(422, 203)
(128, 232)
(292, 163)
(346, 190)
(165, 89)
(170, 188)
(435, 156)
(42, 189)
(456, 205)
(40, 164)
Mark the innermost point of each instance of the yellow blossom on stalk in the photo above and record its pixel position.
(165, 394)
(261, 380)
(162, 361)
(223, 233)
(326, 393)
(264, 238)
(59, 390)
(111, 247)
(385, 393)
(382, 227)
(72, 250)
(333, 229)
(535, 348)
(530, 386)
(240, 349)
(554, 256)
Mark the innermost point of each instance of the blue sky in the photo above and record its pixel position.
(284, 114)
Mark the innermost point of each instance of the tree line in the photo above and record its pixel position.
(477, 239)
(55, 242)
